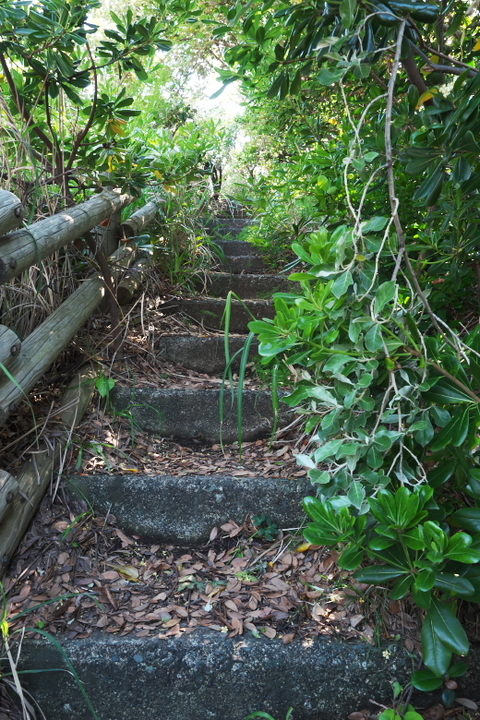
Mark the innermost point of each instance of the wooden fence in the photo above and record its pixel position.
(22, 363)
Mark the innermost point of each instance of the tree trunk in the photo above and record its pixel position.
(9, 345)
(23, 248)
(11, 212)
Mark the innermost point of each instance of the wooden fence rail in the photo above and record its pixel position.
(23, 248)
(139, 220)
(25, 362)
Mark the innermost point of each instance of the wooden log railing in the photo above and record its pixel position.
(11, 212)
(29, 360)
(8, 491)
(139, 220)
(33, 357)
(20, 496)
(130, 283)
(23, 248)
(44, 344)
(9, 345)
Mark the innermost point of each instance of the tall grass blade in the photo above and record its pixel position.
(16, 680)
(69, 665)
(221, 403)
(227, 315)
(241, 384)
(275, 401)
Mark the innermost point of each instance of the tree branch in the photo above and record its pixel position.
(447, 69)
(444, 372)
(394, 201)
(414, 74)
(113, 306)
(82, 134)
(21, 106)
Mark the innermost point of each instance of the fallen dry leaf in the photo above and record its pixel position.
(356, 620)
(130, 572)
(435, 712)
(467, 703)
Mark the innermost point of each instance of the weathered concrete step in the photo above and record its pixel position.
(207, 676)
(183, 510)
(209, 312)
(235, 248)
(243, 264)
(220, 228)
(204, 354)
(248, 287)
(191, 414)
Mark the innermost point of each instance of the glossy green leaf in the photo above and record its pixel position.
(421, 159)
(459, 549)
(436, 655)
(351, 558)
(380, 543)
(401, 587)
(347, 12)
(425, 580)
(430, 189)
(455, 584)
(375, 224)
(457, 669)
(328, 76)
(412, 715)
(426, 680)
(356, 494)
(378, 574)
(447, 628)
(443, 472)
(342, 283)
(467, 518)
(373, 339)
(384, 295)
(455, 433)
(445, 391)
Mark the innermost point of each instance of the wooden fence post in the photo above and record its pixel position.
(11, 212)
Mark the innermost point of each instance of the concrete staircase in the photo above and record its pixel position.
(195, 414)
(207, 675)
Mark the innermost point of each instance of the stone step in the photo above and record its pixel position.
(248, 287)
(202, 353)
(205, 675)
(209, 312)
(242, 264)
(220, 228)
(235, 248)
(183, 510)
(195, 414)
